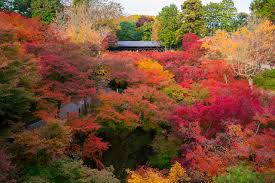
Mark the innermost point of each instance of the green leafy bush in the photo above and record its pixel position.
(266, 80)
(240, 174)
(67, 171)
(165, 148)
(186, 96)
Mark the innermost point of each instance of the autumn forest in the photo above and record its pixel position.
(75, 109)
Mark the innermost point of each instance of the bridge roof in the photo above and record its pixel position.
(139, 44)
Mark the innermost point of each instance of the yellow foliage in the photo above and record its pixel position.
(153, 176)
(84, 34)
(216, 43)
(153, 67)
(244, 49)
(81, 26)
(150, 65)
(176, 173)
(155, 29)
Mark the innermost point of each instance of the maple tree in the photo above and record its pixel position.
(192, 108)
(17, 68)
(144, 19)
(142, 106)
(93, 146)
(117, 68)
(255, 148)
(59, 76)
(43, 144)
(245, 50)
(154, 73)
(187, 75)
(218, 70)
(147, 175)
(206, 161)
(212, 117)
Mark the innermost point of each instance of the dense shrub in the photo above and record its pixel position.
(166, 149)
(241, 174)
(67, 170)
(266, 80)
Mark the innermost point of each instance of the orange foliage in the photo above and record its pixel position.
(154, 72)
(206, 161)
(26, 30)
(149, 175)
(141, 106)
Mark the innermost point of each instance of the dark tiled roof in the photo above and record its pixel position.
(140, 44)
(37, 125)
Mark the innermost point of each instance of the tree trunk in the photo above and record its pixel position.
(225, 79)
(250, 81)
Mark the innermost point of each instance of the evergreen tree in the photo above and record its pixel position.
(128, 32)
(23, 7)
(192, 18)
(20, 6)
(229, 12)
(264, 9)
(241, 20)
(45, 9)
(168, 26)
(146, 30)
(222, 16)
(213, 14)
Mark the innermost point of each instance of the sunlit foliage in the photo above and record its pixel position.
(148, 175)
(191, 111)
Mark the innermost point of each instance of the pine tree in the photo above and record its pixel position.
(192, 18)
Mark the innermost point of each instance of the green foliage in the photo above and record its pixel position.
(199, 92)
(45, 9)
(2, 4)
(23, 7)
(66, 171)
(212, 14)
(240, 174)
(192, 18)
(266, 80)
(80, 2)
(229, 12)
(168, 26)
(263, 8)
(128, 32)
(15, 104)
(103, 176)
(241, 20)
(146, 30)
(187, 96)
(222, 16)
(129, 148)
(20, 6)
(5, 5)
(165, 148)
(17, 73)
(178, 93)
(37, 179)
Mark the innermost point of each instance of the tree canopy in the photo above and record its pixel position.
(192, 18)
(168, 20)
